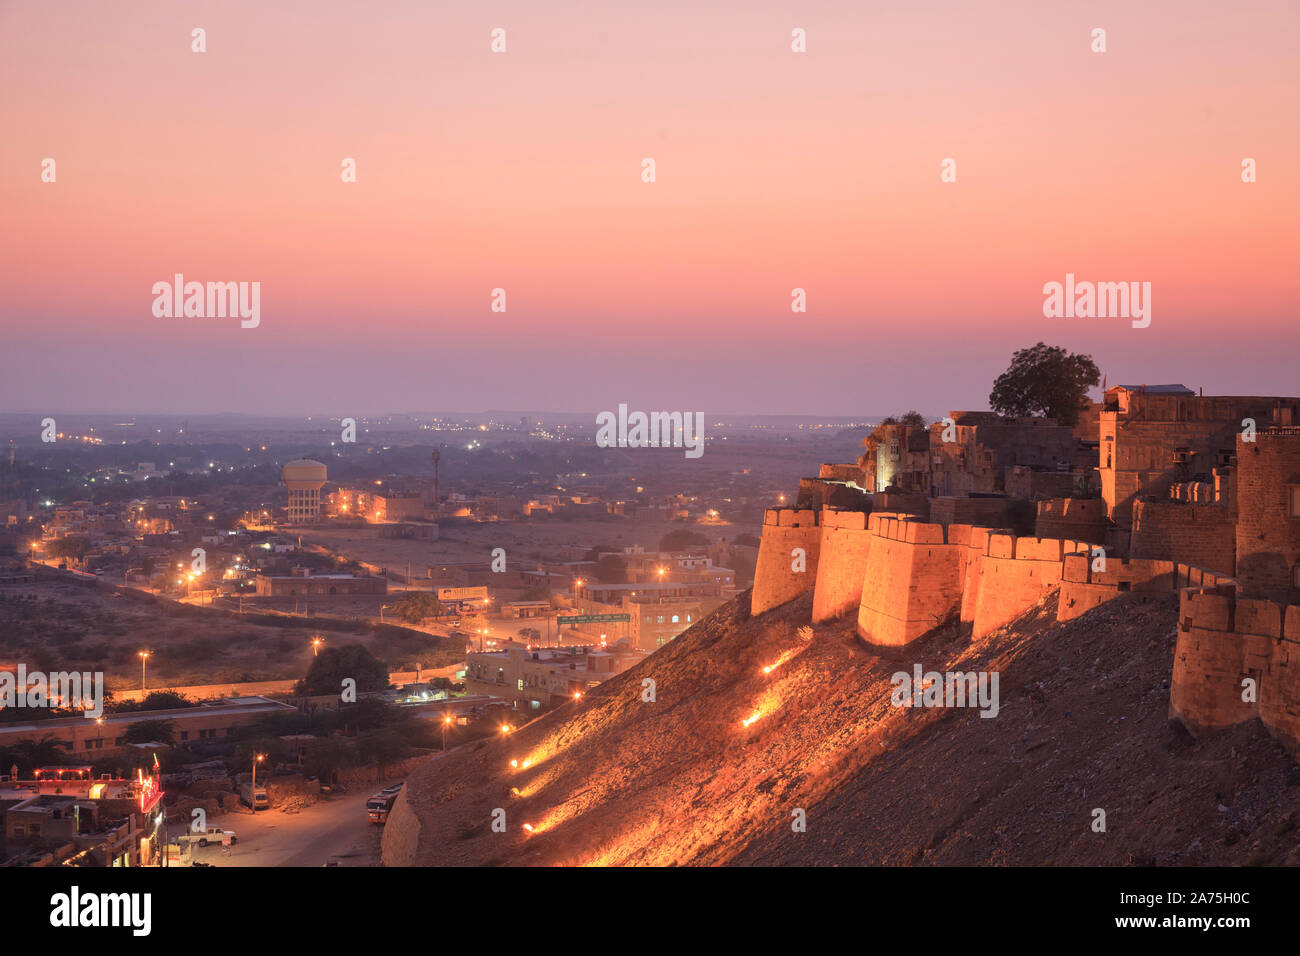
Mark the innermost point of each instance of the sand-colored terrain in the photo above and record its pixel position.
(1082, 725)
(76, 627)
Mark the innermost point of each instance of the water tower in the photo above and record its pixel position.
(304, 479)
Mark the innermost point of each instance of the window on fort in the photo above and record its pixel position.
(1293, 495)
(1295, 576)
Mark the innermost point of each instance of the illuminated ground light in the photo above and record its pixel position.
(780, 660)
(514, 763)
(514, 792)
(751, 718)
(577, 695)
(528, 828)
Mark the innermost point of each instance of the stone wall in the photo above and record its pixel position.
(401, 836)
(1200, 534)
(1222, 641)
(1024, 482)
(1268, 533)
(1083, 588)
(1009, 577)
(841, 472)
(1081, 519)
(913, 579)
(987, 512)
(841, 563)
(775, 580)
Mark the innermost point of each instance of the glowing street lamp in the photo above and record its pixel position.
(252, 790)
(316, 642)
(144, 658)
(446, 722)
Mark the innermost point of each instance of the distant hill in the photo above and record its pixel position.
(1082, 725)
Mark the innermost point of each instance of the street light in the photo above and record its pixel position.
(316, 642)
(446, 722)
(144, 658)
(252, 790)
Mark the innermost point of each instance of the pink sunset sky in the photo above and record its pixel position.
(522, 171)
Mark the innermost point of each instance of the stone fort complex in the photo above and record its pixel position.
(1155, 489)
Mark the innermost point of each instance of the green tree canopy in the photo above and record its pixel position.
(149, 731)
(611, 569)
(1045, 380)
(415, 607)
(682, 538)
(330, 667)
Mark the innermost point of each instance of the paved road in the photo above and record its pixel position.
(333, 828)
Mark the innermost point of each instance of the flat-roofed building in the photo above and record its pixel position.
(89, 738)
(534, 679)
(293, 585)
(63, 815)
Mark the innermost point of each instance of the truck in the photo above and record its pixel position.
(257, 799)
(209, 835)
(378, 806)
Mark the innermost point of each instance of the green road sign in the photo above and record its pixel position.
(595, 619)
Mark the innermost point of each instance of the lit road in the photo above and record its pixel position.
(333, 828)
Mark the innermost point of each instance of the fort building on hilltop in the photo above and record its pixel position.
(975, 520)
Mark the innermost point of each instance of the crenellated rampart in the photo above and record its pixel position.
(787, 557)
(1237, 659)
(842, 563)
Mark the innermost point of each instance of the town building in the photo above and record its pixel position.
(87, 738)
(535, 679)
(62, 815)
(307, 583)
(1154, 436)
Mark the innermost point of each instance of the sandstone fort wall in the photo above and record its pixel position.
(1199, 534)
(775, 580)
(913, 579)
(841, 563)
(1082, 519)
(1222, 641)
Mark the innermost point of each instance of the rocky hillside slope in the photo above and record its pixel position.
(715, 768)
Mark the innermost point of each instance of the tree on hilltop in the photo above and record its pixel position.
(1045, 380)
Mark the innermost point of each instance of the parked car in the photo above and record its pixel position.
(210, 835)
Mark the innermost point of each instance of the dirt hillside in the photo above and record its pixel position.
(1082, 725)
